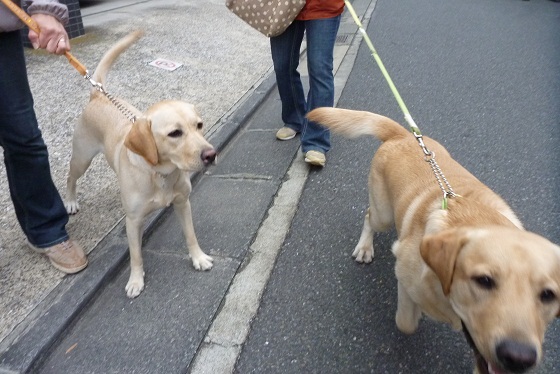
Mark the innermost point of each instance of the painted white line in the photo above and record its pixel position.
(230, 329)
(231, 326)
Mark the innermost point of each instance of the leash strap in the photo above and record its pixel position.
(429, 156)
(30, 22)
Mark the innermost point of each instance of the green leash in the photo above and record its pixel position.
(429, 156)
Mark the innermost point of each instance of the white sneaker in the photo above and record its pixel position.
(285, 133)
(315, 158)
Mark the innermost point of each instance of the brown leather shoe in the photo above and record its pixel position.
(68, 256)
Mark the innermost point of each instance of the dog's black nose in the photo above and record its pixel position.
(516, 357)
(208, 156)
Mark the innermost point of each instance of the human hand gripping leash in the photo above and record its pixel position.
(429, 156)
(30, 22)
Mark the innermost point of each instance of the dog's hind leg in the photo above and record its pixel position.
(364, 249)
(84, 149)
(379, 217)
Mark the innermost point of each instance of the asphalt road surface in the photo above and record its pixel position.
(482, 77)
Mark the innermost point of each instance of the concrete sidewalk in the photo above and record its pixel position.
(223, 61)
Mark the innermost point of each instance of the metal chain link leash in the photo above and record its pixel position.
(30, 22)
(429, 156)
(99, 87)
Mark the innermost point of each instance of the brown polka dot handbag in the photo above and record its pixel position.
(270, 17)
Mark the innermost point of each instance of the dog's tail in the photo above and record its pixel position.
(111, 55)
(353, 123)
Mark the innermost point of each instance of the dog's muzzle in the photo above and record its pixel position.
(513, 357)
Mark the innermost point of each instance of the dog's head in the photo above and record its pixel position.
(171, 132)
(504, 284)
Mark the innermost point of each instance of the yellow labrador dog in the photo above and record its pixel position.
(472, 266)
(152, 158)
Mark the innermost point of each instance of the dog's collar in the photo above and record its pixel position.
(480, 362)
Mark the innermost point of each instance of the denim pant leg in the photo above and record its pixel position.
(38, 206)
(321, 36)
(285, 57)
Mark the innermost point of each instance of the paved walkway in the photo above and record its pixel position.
(223, 61)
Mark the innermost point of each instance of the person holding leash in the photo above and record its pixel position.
(319, 20)
(38, 206)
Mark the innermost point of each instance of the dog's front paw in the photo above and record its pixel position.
(202, 262)
(363, 254)
(408, 312)
(72, 206)
(406, 324)
(134, 287)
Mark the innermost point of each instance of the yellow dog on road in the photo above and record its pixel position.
(472, 266)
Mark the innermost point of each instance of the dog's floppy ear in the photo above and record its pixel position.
(440, 251)
(140, 140)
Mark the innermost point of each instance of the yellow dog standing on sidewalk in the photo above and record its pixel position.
(152, 157)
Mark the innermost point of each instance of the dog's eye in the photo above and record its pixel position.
(547, 296)
(175, 134)
(199, 126)
(485, 282)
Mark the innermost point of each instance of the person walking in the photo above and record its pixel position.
(319, 20)
(37, 203)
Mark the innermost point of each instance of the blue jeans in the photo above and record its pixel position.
(38, 206)
(321, 36)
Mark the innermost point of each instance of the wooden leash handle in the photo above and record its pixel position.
(76, 64)
(30, 22)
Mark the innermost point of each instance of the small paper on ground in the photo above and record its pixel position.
(165, 64)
